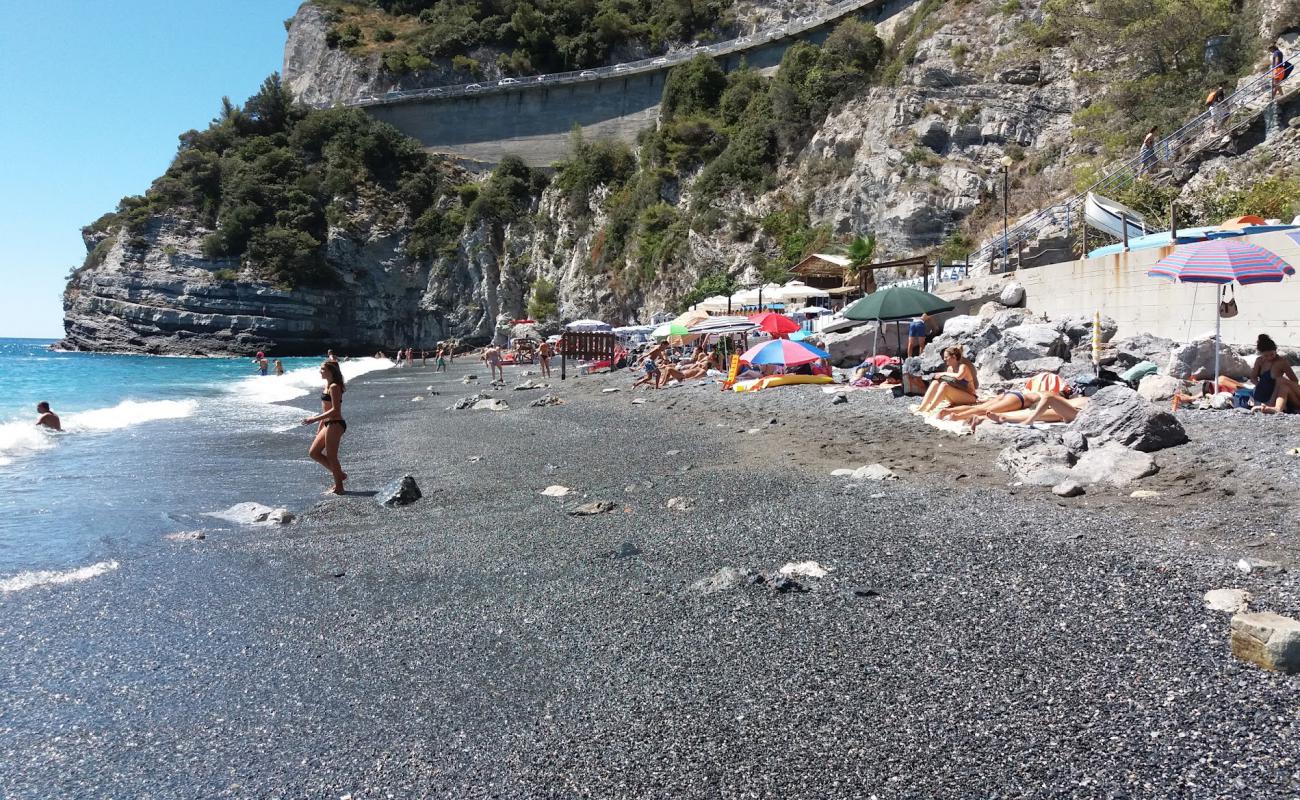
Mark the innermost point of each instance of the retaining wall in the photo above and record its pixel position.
(1118, 286)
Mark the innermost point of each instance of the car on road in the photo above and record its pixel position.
(586, 73)
(621, 67)
(474, 87)
(507, 82)
(541, 78)
(660, 61)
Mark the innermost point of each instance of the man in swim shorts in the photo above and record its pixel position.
(47, 418)
(917, 331)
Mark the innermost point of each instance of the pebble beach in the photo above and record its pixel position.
(968, 638)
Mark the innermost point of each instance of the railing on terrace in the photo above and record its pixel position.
(1119, 176)
(789, 28)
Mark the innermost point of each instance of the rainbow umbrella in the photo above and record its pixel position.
(1221, 261)
(773, 323)
(783, 352)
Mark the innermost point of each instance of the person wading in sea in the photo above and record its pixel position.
(330, 425)
(47, 418)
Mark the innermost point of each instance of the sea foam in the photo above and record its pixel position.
(47, 577)
(299, 382)
(18, 439)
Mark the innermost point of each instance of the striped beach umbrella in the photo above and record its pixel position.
(783, 352)
(1222, 261)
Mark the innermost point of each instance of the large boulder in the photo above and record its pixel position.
(1120, 414)
(1036, 463)
(401, 492)
(1022, 343)
(849, 348)
(963, 326)
(1034, 366)
(1078, 329)
(1159, 388)
(1196, 359)
(1008, 318)
(1013, 294)
(1113, 463)
(1142, 347)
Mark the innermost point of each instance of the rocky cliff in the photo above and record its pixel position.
(916, 158)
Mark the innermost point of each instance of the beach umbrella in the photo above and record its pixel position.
(773, 323)
(1221, 262)
(589, 326)
(814, 310)
(894, 303)
(783, 352)
(670, 329)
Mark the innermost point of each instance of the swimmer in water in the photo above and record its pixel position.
(47, 418)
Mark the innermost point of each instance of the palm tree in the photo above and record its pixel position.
(860, 252)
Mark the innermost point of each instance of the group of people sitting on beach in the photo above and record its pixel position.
(952, 395)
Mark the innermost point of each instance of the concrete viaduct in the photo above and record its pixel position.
(533, 117)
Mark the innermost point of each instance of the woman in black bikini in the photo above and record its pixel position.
(1276, 388)
(330, 425)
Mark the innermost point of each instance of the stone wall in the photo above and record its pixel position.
(1118, 286)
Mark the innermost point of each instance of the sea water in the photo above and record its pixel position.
(150, 446)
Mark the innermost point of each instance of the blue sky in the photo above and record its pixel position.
(95, 94)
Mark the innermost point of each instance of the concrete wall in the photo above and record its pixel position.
(1118, 286)
(535, 122)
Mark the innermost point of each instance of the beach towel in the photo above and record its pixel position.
(950, 425)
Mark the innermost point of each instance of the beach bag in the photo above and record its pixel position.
(1228, 307)
(1138, 371)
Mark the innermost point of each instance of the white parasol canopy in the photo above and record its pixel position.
(588, 326)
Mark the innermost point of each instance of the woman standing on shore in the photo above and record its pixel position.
(330, 425)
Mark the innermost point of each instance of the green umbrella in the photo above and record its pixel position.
(894, 303)
(670, 329)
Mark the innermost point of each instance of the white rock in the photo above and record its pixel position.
(1013, 294)
(556, 491)
(680, 503)
(842, 473)
(805, 569)
(491, 404)
(1249, 565)
(874, 472)
(1229, 601)
(611, 389)
(1142, 494)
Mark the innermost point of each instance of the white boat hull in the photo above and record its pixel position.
(1110, 217)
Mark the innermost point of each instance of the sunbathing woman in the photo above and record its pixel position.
(1049, 408)
(1276, 388)
(956, 387)
(1008, 401)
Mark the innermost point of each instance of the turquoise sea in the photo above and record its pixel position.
(150, 444)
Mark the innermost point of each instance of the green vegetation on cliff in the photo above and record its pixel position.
(271, 177)
(535, 35)
(718, 134)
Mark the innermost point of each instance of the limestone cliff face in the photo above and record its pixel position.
(909, 162)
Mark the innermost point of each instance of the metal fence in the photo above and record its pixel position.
(785, 30)
(1118, 176)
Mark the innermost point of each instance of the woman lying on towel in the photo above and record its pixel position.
(1049, 408)
(956, 387)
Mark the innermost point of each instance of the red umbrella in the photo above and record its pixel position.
(774, 323)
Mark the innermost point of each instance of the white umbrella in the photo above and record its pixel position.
(718, 302)
(723, 325)
(814, 310)
(588, 326)
(798, 290)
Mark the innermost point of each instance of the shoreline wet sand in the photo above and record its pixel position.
(970, 640)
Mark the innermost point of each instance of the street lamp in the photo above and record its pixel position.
(1006, 171)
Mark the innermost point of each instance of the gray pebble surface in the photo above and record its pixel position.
(483, 642)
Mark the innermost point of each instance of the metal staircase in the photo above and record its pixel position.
(1185, 141)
